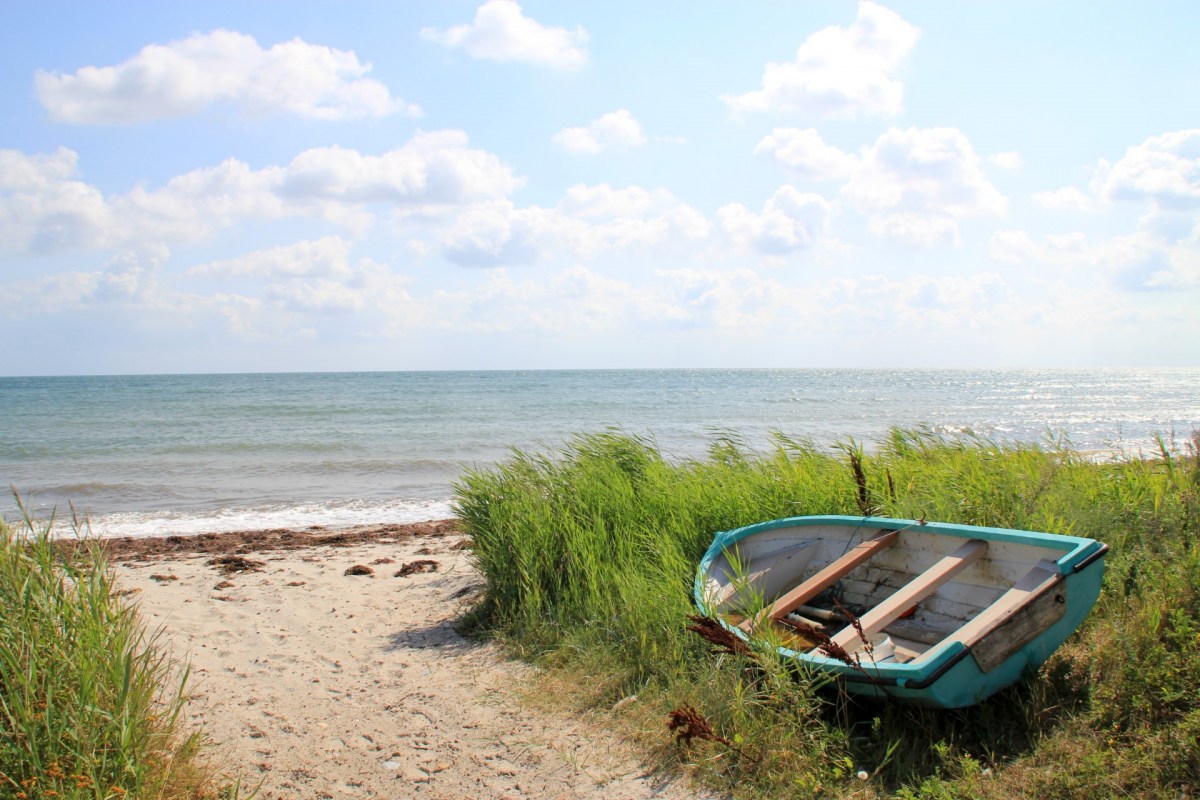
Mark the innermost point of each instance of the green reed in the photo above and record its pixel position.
(590, 553)
(89, 703)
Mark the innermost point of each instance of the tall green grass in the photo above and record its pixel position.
(590, 551)
(89, 703)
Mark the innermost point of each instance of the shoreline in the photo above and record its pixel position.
(232, 516)
(122, 548)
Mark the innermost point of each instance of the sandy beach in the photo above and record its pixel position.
(327, 664)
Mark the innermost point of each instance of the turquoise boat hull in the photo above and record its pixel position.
(1003, 645)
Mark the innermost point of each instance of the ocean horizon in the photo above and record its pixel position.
(147, 455)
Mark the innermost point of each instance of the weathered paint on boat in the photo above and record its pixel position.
(1003, 646)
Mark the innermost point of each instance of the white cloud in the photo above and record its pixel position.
(1018, 247)
(1140, 261)
(500, 32)
(431, 169)
(913, 184)
(319, 295)
(588, 220)
(604, 218)
(193, 205)
(865, 306)
(132, 275)
(872, 314)
(287, 291)
(1010, 160)
(129, 280)
(186, 76)
(735, 301)
(940, 303)
(1073, 251)
(327, 256)
(805, 153)
(604, 202)
(497, 234)
(1164, 251)
(367, 293)
(452, 197)
(1165, 169)
(727, 300)
(916, 183)
(923, 170)
(1171, 226)
(790, 221)
(44, 209)
(617, 130)
(579, 301)
(572, 302)
(298, 283)
(1067, 198)
(839, 72)
(51, 294)
(915, 230)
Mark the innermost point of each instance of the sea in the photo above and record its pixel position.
(157, 455)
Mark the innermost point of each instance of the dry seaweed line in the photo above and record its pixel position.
(231, 564)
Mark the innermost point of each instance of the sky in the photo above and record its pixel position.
(200, 187)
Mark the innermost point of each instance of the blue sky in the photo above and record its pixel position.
(229, 187)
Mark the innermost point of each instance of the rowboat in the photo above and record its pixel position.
(935, 614)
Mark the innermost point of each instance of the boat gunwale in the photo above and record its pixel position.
(1074, 548)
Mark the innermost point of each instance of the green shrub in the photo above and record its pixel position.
(89, 704)
(589, 554)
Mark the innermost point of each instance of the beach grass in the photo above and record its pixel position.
(590, 552)
(89, 702)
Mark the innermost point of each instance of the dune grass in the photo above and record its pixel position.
(590, 551)
(89, 703)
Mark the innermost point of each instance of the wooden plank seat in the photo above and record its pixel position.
(908, 595)
(1030, 585)
(819, 582)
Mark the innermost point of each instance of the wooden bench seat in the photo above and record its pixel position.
(910, 594)
(822, 580)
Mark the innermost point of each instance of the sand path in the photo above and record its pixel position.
(323, 684)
